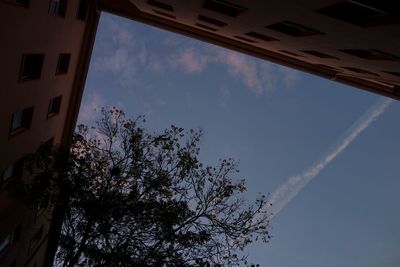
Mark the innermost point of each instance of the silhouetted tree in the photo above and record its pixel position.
(135, 198)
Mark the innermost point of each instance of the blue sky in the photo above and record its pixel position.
(327, 152)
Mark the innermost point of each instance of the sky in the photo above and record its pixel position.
(327, 154)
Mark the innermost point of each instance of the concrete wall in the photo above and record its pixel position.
(28, 30)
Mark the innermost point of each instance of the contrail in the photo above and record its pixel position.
(287, 191)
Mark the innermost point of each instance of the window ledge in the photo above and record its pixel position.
(28, 80)
(17, 132)
(51, 115)
(61, 73)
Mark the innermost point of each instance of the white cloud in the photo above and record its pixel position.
(287, 191)
(225, 95)
(189, 60)
(116, 61)
(124, 56)
(288, 76)
(116, 57)
(242, 67)
(193, 60)
(189, 99)
(90, 108)
(155, 64)
(127, 55)
(172, 41)
(161, 101)
(120, 34)
(258, 76)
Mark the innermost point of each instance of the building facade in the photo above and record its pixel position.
(46, 49)
(356, 42)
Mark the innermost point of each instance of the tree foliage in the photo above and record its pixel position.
(135, 198)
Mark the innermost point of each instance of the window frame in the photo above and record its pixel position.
(360, 71)
(319, 54)
(368, 15)
(40, 207)
(5, 246)
(225, 8)
(35, 74)
(261, 36)
(13, 238)
(212, 21)
(82, 5)
(161, 5)
(371, 54)
(16, 172)
(54, 102)
(61, 68)
(293, 29)
(26, 121)
(36, 238)
(58, 11)
(23, 3)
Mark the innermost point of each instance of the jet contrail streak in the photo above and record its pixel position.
(287, 191)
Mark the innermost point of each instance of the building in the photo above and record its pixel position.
(356, 42)
(46, 49)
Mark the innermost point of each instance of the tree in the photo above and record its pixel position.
(135, 198)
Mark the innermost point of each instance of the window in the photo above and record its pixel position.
(206, 27)
(212, 21)
(40, 206)
(31, 67)
(36, 238)
(6, 242)
(82, 9)
(58, 7)
(164, 14)
(393, 73)
(161, 5)
(371, 54)
(245, 39)
(293, 29)
(261, 36)
(391, 7)
(10, 239)
(23, 3)
(388, 87)
(290, 53)
(12, 171)
(397, 90)
(54, 106)
(21, 120)
(63, 63)
(330, 69)
(322, 66)
(224, 7)
(357, 70)
(318, 54)
(364, 13)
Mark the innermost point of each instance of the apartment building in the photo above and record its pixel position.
(356, 42)
(45, 53)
